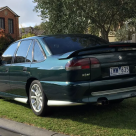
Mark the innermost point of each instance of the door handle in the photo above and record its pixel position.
(6, 69)
(25, 69)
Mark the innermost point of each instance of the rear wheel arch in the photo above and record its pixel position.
(29, 81)
(37, 99)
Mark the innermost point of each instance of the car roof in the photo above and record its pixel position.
(64, 35)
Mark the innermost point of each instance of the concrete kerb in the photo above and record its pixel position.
(25, 129)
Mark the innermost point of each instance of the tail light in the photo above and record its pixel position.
(94, 63)
(78, 64)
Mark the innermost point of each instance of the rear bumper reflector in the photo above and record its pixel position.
(114, 91)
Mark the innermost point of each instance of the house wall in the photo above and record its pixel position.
(112, 38)
(7, 14)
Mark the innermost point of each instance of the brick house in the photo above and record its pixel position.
(9, 21)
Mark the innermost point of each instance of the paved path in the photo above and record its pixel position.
(4, 132)
(12, 128)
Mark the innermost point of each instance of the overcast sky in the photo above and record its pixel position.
(23, 8)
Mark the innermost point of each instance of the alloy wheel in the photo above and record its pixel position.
(36, 98)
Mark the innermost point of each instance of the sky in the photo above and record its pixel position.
(23, 8)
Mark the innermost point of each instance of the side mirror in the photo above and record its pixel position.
(0, 61)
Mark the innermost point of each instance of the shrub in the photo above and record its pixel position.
(28, 35)
(5, 40)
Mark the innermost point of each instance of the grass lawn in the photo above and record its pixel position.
(113, 120)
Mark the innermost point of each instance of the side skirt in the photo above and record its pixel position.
(62, 103)
(22, 100)
(51, 102)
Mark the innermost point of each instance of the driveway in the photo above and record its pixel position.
(12, 128)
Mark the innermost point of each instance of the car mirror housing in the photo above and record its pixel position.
(0, 61)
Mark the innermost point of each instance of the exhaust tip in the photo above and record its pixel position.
(102, 101)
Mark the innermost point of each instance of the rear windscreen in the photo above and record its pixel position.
(61, 45)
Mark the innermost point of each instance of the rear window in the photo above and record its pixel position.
(64, 44)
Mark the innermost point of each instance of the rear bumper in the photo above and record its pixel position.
(114, 91)
(115, 96)
(77, 93)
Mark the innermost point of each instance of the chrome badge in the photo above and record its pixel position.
(120, 57)
(84, 75)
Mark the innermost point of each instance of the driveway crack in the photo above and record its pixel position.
(54, 134)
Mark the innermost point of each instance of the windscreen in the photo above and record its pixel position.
(64, 44)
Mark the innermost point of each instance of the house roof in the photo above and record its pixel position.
(6, 7)
(30, 29)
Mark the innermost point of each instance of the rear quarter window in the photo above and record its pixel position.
(38, 53)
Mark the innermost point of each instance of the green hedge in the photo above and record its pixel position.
(5, 41)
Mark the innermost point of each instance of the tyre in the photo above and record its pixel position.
(116, 101)
(37, 99)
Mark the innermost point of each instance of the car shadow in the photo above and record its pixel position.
(121, 116)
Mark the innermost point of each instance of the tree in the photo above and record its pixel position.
(22, 30)
(5, 40)
(60, 17)
(28, 35)
(127, 30)
(75, 16)
(42, 27)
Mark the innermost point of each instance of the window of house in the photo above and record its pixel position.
(22, 51)
(2, 23)
(38, 53)
(10, 26)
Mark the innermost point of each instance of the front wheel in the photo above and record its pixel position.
(37, 99)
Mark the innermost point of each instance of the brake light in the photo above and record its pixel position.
(94, 63)
(78, 64)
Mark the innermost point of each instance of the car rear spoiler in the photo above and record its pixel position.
(95, 50)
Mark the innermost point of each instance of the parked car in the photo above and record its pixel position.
(64, 70)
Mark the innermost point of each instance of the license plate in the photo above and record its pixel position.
(114, 71)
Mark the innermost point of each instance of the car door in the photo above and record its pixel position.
(37, 66)
(20, 69)
(4, 68)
